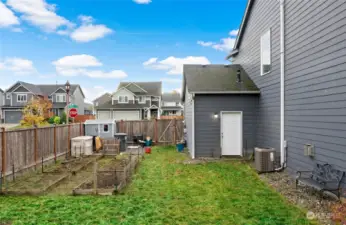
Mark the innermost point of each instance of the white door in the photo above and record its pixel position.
(126, 115)
(232, 133)
(103, 115)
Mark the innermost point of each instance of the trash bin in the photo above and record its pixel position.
(180, 147)
(136, 138)
(122, 137)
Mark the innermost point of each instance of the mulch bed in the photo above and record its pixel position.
(318, 206)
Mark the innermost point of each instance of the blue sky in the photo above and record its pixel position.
(98, 43)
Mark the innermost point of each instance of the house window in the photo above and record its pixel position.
(105, 128)
(22, 98)
(265, 53)
(141, 99)
(61, 98)
(123, 99)
(8, 96)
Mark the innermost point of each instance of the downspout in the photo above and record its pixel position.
(193, 127)
(282, 87)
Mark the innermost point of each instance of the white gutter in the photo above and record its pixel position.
(193, 155)
(282, 85)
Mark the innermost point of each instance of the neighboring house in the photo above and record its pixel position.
(294, 51)
(19, 94)
(106, 97)
(2, 99)
(131, 101)
(221, 104)
(171, 104)
(88, 109)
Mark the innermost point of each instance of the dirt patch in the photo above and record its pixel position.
(318, 206)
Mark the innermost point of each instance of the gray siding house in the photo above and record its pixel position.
(294, 52)
(131, 101)
(2, 102)
(19, 94)
(214, 97)
(171, 104)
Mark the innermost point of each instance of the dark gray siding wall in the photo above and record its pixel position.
(315, 79)
(265, 15)
(207, 128)
(188, 119)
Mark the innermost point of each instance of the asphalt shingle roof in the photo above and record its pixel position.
(217, 78)
(171, 97)
(151, 88)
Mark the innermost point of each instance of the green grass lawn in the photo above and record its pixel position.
(165, 191)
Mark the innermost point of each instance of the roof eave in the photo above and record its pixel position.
(233, 53)
(242, 26)
(225, 92)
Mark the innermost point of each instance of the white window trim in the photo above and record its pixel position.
(26, 97)
(56, 98)
(144, 99)
(270, 39)
(124, 99)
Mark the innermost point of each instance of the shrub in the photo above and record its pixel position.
(51, 120)
(57, 120)
(63, 118)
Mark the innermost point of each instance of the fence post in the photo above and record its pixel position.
(95, 177)
(35, 146)
(81, 129)
(3, 157)
(54, 143)
(155, 131)
(174, 133)
(68, 139)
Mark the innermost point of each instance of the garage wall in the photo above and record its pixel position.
(207, 128)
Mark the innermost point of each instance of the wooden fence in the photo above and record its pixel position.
(25, 148)
(172, 117)
(161, 131)
(83, 118)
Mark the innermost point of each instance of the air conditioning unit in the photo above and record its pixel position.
(264, 159)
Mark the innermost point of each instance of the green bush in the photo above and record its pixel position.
(57, 120)
(63, 118)
(51, 120)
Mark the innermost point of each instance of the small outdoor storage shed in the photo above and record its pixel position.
(102, 128)
(220, 107)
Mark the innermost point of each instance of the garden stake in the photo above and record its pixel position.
(13, 176)
(80, 151)
(42, 164)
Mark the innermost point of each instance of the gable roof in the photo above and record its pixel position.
(151, 88)
(103, 97)
(217, 79)
(241, 29)
(45, 89)
(171, 97)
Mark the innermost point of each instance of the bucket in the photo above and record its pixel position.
(147, 150)
(180, 147)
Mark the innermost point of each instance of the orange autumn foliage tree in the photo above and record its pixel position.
(36, 112)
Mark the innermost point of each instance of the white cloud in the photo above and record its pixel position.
(175, 65)
(225, 44)
(86, 19)
(233, 33)
(75, 61)
(77, 65)
(39, 13)
(150, 61)
(18, 65)
(17, 30)
(89, 32)
(171, 80)
(91, 93)
(7, 17)
(142, 1)
(205, 44)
